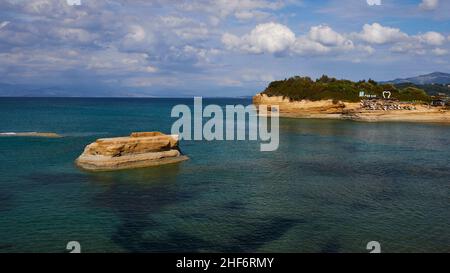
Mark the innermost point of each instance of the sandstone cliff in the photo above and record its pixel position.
(305, 108)
(136, 151)
(327, 109)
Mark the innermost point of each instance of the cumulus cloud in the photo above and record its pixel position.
(378, 34)
(274, 38)
(432, 38)
(304, 46)
(328, 37)
(264, 38)
(429, 4)
(420, 44)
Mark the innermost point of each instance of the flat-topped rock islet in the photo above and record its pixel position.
(138, 150)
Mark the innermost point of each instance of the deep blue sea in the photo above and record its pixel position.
(332, 186)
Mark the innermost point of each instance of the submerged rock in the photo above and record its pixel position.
(136, 151)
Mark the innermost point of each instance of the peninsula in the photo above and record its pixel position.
(136, 151)
(329, 98)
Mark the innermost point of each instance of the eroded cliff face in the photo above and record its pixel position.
(136, 151)
(306, 108)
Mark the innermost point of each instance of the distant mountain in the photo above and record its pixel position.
(96, 90)
(28, 90)
(433, 78)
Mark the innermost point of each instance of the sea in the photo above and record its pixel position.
(332, 185)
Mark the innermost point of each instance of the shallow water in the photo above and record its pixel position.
(332, 186)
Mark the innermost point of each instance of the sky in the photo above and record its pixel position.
(216, 47)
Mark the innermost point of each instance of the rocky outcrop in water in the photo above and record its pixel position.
(136, 151)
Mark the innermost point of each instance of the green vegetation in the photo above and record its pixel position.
(300, 88)
(431, 89)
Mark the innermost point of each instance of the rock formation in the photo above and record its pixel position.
(305, 108)
(359, 111)
(136, 151)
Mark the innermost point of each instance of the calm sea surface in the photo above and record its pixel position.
(332, 186)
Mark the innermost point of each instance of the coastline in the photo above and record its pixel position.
(327, 109)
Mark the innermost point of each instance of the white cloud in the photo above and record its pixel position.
(250, 15)
(374, 2)
(305, 46)
(74, 35)
(366, 48)
(420, 44)
(137, 33)
(411, 47)
(439, 51)
(175, 21)
(4, 24)
(202, 55)
(264, 38)
(240, 9)
(150, 69)
(322, 39)
(184, 28)
(432, 38)
(378, 34)
(276, 38)
(328, 37)
(429, 4)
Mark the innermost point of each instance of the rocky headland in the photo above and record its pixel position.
(332, 109)
(139, 150)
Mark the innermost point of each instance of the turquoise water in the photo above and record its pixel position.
(332, 186)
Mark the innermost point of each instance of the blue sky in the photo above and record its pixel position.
(216, 47)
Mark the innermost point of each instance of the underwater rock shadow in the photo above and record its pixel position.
(137, 231)
(267, 231)
(6, 201)
(45, 179)
(331, 246)
(131, 238)
(134, 204)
